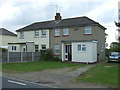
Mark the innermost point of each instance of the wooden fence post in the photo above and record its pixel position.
(8, 57)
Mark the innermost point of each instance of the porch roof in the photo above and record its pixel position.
(20, 42)
(69, 41)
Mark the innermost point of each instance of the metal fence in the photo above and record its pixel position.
(9, 57)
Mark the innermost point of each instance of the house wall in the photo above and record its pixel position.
(0, 40)
(5, 39)
(90, 55)
(30, 47)
(18, 48)
(29, 37)
(97, 34)
(119, 11)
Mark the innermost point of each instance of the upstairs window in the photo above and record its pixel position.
(65, 31)
(57, 32)
(36, 48)
(88, 30)
(21, 35)
(36, 33)
(43, 33)
(81, 47)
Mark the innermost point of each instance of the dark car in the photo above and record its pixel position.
(114, 57)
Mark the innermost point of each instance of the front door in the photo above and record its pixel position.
(68, 52)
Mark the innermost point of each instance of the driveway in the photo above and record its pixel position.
(63, 78)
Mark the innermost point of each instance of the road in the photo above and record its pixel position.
(8, 82)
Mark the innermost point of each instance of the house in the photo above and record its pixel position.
(6, 37)
(78, 39)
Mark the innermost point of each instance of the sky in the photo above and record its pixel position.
(15, 14)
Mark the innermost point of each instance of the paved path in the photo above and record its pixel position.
(57, 77)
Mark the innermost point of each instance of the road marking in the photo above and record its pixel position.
(16, 82)
(29, 82)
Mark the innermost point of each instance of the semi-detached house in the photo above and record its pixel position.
(78, 39)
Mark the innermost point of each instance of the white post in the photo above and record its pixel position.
(21, 57)
(63, 52)
(32, 56)
(8, 57)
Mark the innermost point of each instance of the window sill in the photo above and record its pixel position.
(36, 37)
(56, 36)
(87, 34)
(65, 35)
(43, 36)
(56, 54)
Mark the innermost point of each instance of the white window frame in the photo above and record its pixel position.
(14, 48)
(65, 31)
(57, 49)
(88, 30)
(43, 45)
(57, 32)
(43, 33)
(36, 49)
(21, 35)
(36, 33)
(81, 47)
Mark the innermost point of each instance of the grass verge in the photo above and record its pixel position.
(36, 66)
(105, 74)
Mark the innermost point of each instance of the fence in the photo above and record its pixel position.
(8, 57)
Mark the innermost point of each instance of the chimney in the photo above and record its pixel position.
(58, 17)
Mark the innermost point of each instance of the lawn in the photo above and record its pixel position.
(37, 66)
(105, 74)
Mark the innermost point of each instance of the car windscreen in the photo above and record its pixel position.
(115, 54)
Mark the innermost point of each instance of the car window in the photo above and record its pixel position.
(115, 54)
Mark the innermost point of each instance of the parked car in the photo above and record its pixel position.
(114, 57)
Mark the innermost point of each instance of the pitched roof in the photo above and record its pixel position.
(4, 31)
(70, 22)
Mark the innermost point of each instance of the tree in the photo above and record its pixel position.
(115, 47)
(106, 44)
(118, 25)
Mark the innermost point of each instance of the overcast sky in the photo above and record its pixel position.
(15, 14)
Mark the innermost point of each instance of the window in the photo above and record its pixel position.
(14, 48)
(65, 31)
(36, 48)
(56, 49)
(43, 47)
(57, 32)
(119, 17)
(21, 35)
(76, 29)
(88, 30)
(36, 33)
(81, 47)
(43, 33)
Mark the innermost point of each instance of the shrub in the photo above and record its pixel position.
(3, 50)
(47, 55)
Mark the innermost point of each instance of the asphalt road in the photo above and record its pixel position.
(8, 82)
